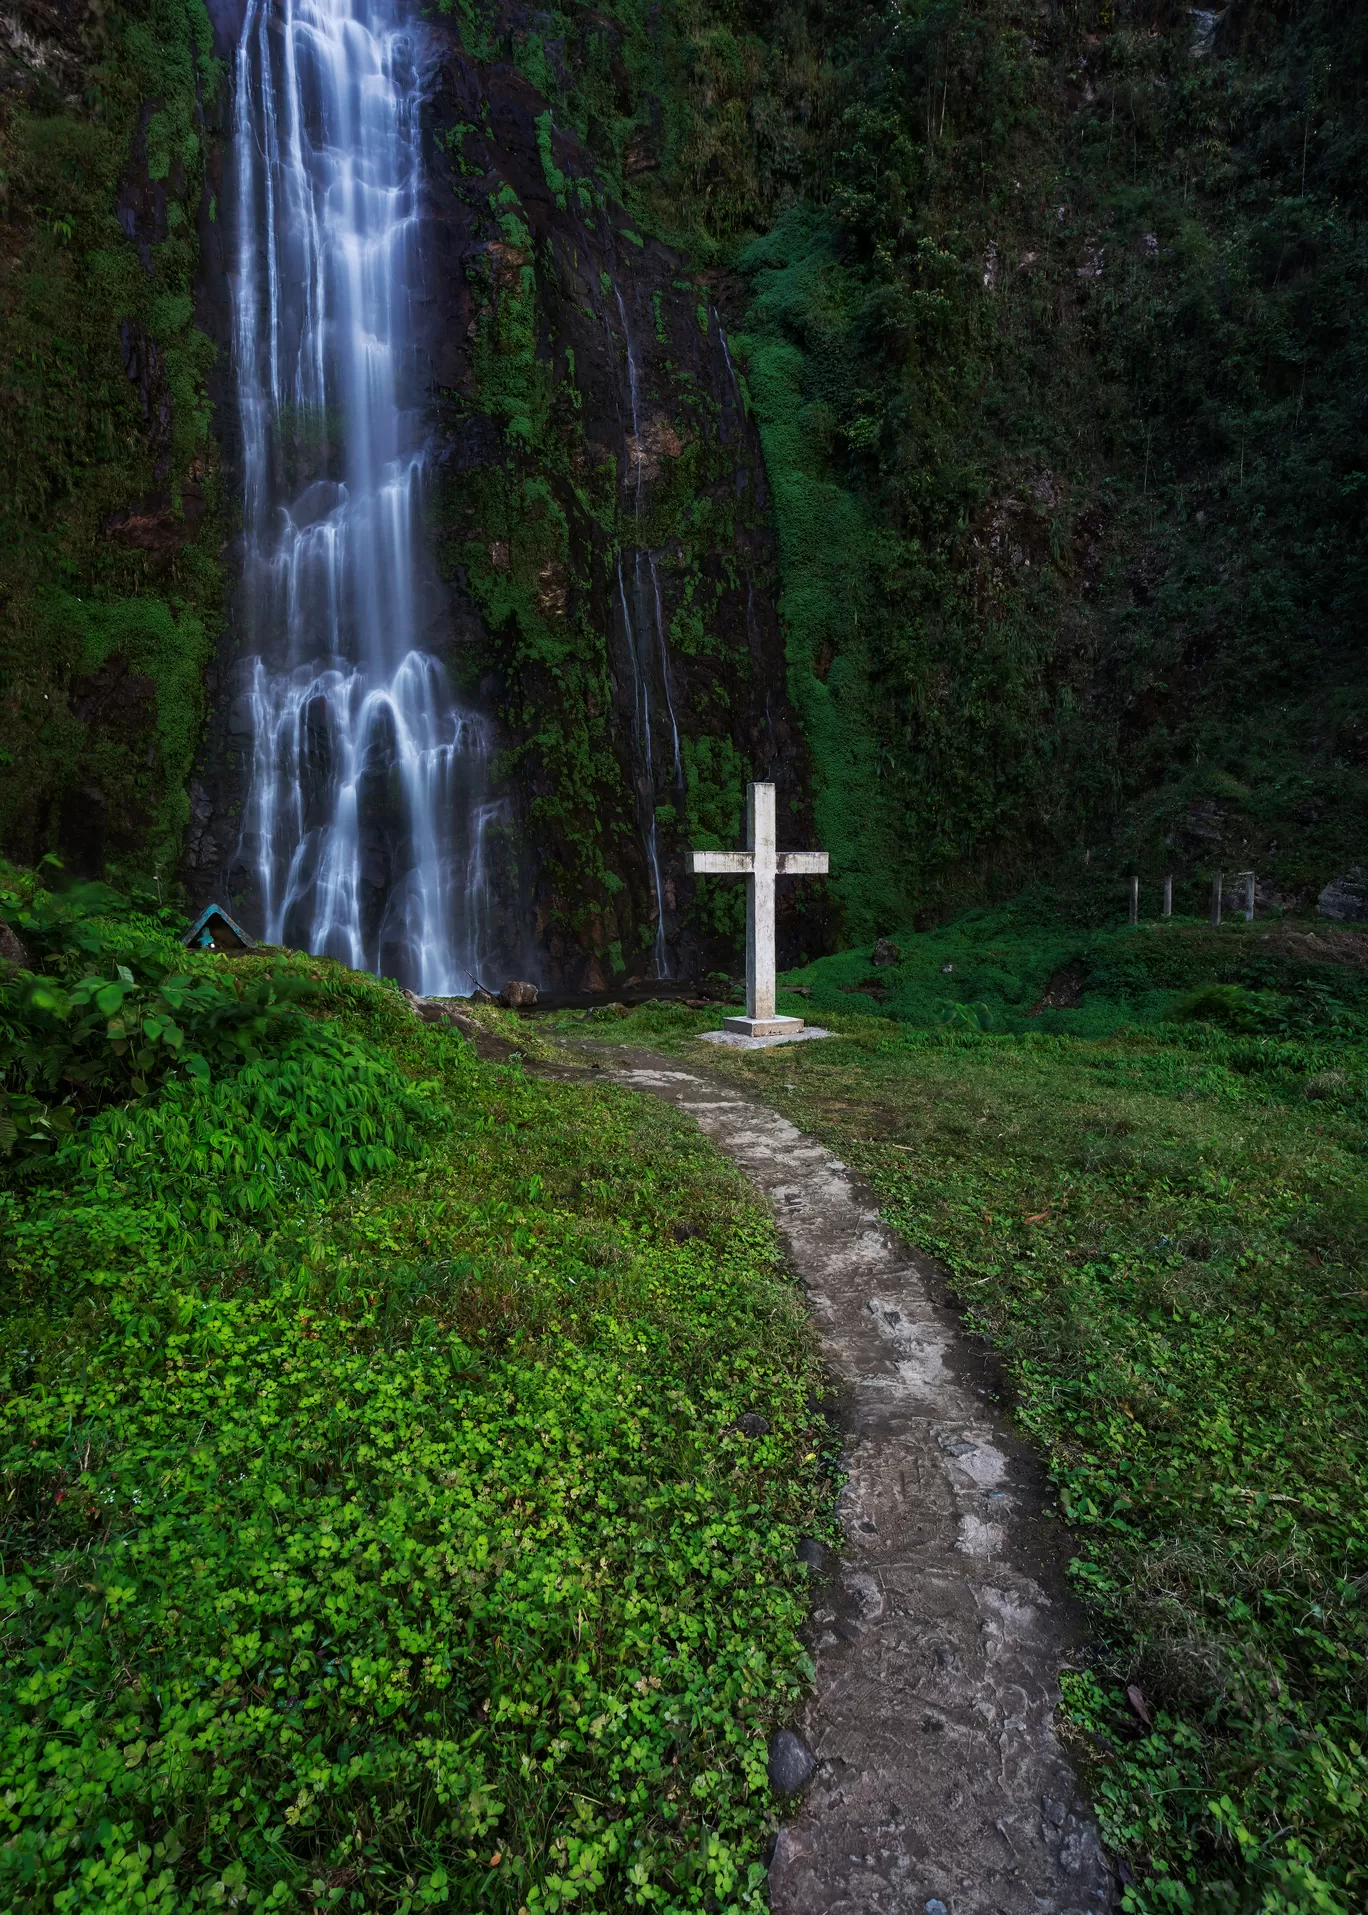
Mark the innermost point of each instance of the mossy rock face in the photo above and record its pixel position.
(603, 527)
(606, 528)
(109, 498)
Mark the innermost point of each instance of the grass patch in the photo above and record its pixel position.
(1004, 970)
(392, 1545)
(1163, 1229)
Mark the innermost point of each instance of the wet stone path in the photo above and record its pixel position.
(932, 1781)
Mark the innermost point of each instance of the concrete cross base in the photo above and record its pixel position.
(763, 1026)
(738, 1041)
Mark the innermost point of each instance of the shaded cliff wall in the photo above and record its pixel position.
(1057, 353)
(110, 505)
(1051, 320)
(602, 520)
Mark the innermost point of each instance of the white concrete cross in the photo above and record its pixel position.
(759, 865)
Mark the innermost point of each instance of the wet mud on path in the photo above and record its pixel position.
(939, 1636)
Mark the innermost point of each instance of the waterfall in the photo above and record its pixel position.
(648, 653)
(365, 823)
(641, 728)
(633, 388)
(731, 374)
(649, 658)
(664, 649)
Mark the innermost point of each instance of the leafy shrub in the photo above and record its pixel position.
(1233, 1006)
(68, 1051)
(111, 1013)
(284, 1129)
(87, 925)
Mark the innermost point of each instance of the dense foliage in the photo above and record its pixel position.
(1050, 324)
(1161, 1226)
(109, 515)
(378, 1532)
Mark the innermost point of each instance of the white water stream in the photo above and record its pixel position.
(365, 821)
(648, 648)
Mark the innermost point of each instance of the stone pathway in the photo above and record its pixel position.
(939, 1787)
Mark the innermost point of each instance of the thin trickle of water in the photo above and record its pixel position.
(663, 646)
(731, 370)
(634, 390)
(648, 653)
(365, 822)
(641, 725)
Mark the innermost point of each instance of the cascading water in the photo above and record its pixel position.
(365, 823)
(663, 643)
(734, 382)
(649, 654)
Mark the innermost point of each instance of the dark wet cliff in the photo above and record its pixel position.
(601, 517)
(1049, 328)
(111, 509)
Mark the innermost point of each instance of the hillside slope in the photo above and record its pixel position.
(1051, 323)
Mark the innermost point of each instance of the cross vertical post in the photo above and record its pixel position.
(760, 842)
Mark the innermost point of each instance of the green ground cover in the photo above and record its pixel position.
(378, 1533)
(1162, 1226)
(377, 1529)
(1004, 970)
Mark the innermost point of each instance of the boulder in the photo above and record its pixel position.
(13, 956)
(517, 995)
(792, 1764)
(1346, 898)
(885, 952)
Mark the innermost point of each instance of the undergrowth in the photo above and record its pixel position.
(1161, 1226)
(378, 1531)
(1014, 969)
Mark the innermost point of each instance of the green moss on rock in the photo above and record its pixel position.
(109, 512)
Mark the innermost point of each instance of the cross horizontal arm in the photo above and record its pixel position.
(736, 862)
(803, 864)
